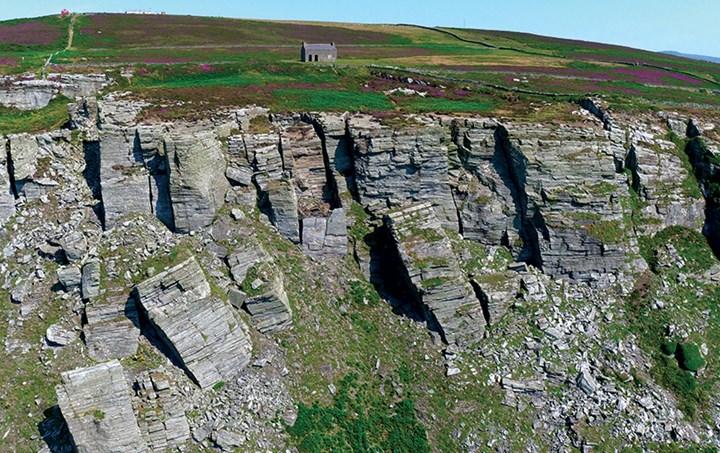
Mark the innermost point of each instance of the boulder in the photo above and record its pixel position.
(70, 277)
(95, 403)
(270, 309)
(57, 335)
(75, 246)
(587, 382)
(200, 330)
(497, 292)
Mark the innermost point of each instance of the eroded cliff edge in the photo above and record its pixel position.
(199, 241)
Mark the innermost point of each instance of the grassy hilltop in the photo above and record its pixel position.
(175, 58)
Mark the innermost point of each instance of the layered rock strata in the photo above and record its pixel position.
(96, 405)
(434, 272)
(199, 329)
(402, 165)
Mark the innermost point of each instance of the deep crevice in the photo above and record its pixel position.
(458, 213)
(391, 280)
(482, 298)
(333, 194)
(516, 163)
(11, 171)
(631, 163)
(350, 174)
(707, 171)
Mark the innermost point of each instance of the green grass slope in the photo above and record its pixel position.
(177, 58)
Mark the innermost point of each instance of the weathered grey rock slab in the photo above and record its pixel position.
(197, 179)
(283, 206)
(70, 277)
(326, 236)
(123, 177)
(29, 94)
(201, 330)
(75, 246)
(111, 331)
(24, 152)
(435, 274)
(498, 291)
(96, 405)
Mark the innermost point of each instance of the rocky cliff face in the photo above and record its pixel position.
(181, 250)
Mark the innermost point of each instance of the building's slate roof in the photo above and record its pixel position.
(319, 47)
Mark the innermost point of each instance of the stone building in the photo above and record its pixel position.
(321, 53)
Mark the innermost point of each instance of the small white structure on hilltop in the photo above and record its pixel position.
(144, 12)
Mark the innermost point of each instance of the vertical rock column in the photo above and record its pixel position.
(275, 186)
(197, 179)
(150, 141)
(123, 177)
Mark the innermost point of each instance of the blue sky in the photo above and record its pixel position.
(690, 26)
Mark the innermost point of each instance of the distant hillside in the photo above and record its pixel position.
(692, 56)
(255, 61)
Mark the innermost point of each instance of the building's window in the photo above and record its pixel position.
(316, 57)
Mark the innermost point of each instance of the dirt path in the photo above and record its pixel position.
(71, 32)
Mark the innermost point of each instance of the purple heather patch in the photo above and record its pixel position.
(29, 33)
(166, 60)
(656, 76)
(8, 61)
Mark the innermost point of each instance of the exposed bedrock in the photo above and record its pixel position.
(704, 155)
(401, 165)
(199, 330)
(434, 273)
(123, 177)
(29, 162)
(304, 162)
(487, 196)
(667, 194)
(32, 94)
(95, 402)
(332, 130)
(551, 194)
(197, 179)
